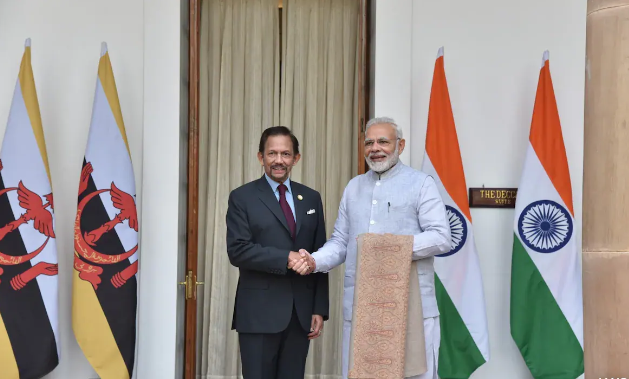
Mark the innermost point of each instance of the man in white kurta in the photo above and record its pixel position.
(390, 198)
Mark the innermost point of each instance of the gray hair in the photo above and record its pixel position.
(385, 120)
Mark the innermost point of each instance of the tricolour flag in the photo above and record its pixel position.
(546, 302)
(106, 239)
(458, 281)
(29, 333)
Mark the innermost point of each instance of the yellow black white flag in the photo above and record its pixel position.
(106, 239)
(29, 334)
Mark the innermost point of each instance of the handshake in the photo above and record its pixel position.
(301, 262)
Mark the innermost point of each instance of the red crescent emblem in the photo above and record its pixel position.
(42, 221)
(84, 242)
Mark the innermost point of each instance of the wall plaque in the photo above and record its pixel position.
(493, 197)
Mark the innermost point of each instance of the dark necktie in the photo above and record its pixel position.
(288, 213)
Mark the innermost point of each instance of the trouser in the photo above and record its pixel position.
(432, 333)
(275, 356)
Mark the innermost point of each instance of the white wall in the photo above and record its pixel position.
(160, 300)
(493, 54)
(391, 79)
(144, 42)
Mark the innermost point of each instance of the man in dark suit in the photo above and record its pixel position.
(277, 312)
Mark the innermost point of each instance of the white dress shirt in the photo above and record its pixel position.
(289, 192)
(400, 201)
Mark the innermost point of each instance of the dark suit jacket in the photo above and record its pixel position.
(258, 243)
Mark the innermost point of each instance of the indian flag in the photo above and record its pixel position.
(458, 282)
(105, 281)
(546, 302)
(29, 332)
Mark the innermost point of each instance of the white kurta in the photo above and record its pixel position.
(400, 201)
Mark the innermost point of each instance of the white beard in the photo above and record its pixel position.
(383, 166)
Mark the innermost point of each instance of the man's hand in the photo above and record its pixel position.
(306, 265)
(316, 327)
(294, 258)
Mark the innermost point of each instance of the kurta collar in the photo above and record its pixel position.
(387, 174)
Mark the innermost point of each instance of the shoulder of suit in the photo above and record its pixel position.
(296, 186)
(244, 189)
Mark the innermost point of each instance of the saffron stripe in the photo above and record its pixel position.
(547, 139)
(442, 144)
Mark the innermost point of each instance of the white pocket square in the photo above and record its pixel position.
(311, 211)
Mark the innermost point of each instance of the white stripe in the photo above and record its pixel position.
(108, 154)
(461, 275)
(22, 161)
(545, 57)
(561, 270)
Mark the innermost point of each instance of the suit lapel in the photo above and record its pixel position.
(299, 206)
(268, 198)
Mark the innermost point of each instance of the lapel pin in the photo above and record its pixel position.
(300, 197)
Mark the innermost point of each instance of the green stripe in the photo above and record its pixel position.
(459, 356)
(538, 326)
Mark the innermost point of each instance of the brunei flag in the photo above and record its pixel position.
(29, 335)
(458, 282)
(105, 285)
(546, 302)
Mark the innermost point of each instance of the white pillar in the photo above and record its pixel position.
(159, 311)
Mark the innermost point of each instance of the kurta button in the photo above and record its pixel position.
(375, 201)
(377, 183)
(372, 222)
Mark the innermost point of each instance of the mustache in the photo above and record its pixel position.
(278, 166)
(371, 155)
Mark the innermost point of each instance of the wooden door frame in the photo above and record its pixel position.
(192, 237)
(192, 223)
(364, 62)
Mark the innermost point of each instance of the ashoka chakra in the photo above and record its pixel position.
(545, 226)
(458, 230)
